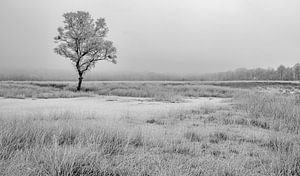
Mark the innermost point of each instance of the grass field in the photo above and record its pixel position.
(252, 131)
(168, 91)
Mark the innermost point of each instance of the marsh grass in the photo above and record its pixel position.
(31, 147)
(218, 137)
(23, 90)
(159, 90)
(282, 112)
(62, 147)
(170, 92)
(193, 136)
(258, 135)
(23, 135)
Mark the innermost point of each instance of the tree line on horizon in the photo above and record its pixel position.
(281, 73)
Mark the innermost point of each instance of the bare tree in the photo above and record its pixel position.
(82, 41)
(280, 71)
(297, 71)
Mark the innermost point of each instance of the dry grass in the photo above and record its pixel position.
(159, 90)
(170, 92)
(27, 90)
(278, 113)
(281, 111)
(255, 134)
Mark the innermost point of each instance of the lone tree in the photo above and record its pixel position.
(82, 40)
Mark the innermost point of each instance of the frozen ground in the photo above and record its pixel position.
(111, 107)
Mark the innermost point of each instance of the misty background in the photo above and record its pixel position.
(154, 38)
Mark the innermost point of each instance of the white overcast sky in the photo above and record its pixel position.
(183, 36)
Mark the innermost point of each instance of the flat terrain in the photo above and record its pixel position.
(108, 107)
(150, 128)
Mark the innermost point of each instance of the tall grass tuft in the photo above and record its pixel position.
(283, 111)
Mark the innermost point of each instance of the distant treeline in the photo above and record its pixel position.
(279, 73)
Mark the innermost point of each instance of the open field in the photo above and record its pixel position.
(161, 91)
(150, 128)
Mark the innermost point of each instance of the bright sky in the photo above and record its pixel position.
(185, 36)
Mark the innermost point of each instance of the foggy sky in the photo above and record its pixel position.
(183, 36)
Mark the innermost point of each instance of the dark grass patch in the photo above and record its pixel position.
(279, 145)
(154, 121)
(234, 151)
(218, 137)
(241, 121)
(216, 153)
(288, 165)
(193, 136)
(53, 85)
(210, 118)
(259, 124)
(182, 149)
(136, 140)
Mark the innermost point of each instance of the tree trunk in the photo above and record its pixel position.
(79, 83)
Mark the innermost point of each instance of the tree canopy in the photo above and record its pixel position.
(82, 40)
